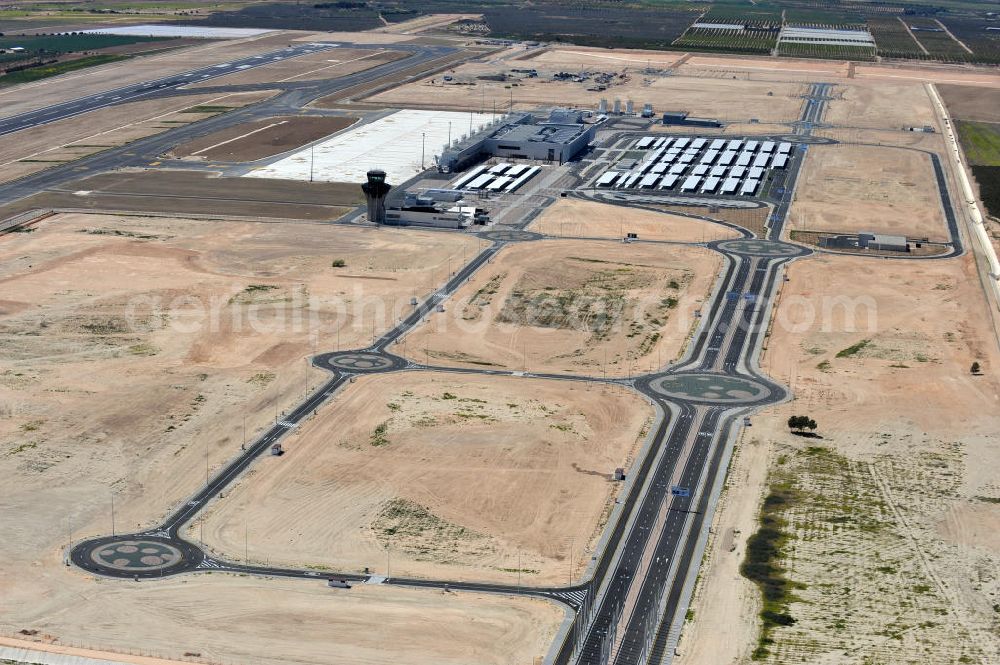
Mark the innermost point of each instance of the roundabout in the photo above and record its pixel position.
(758, 247)
(511, 235)
(710, 388)
(359, 362)
(136, 556)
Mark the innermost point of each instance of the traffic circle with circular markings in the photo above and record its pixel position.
(360, 362)
(710, 388)
(806, 138)
(137, 556)
(510, 235)
(759, 247)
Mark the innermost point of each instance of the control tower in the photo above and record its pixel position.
(375, 191)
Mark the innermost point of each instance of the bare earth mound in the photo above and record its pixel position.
(255, 140)
(585, 307)
(891, 514)
(442, 476)
(847, 189)
(572, 217)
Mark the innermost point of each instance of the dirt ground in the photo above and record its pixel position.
(728, 100)
(325, 64)
(572, 217)
(133, 350)
(584, 57)
(461, 477)
(882, 105)
(255, 140)
(894, 540)
(234, 620)
(39, 148)
(968, 103)
(577, 306)
(760, 69)
(30, 96)
(197, 193)
(852, 188)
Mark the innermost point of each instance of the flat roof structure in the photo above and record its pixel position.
(480, 181)
(737, 171)
(780, 161)
(709, 157)
(691, 184)
(762, 160)
(649, 180)
(658, 168)
(686, 158)
(727, 158)
(668, 181)
(749, 187)
(828, 36)
(698, 144)
(700, 169)
(681, 143)
(711, 184)
(734, 144)
(718, 171)
(607, 179)
(500, 168)
(499, 183)
(629, 181)
(468, 176)
(677, 169)
(767, 146)
(523, 178)
(744, 159)
(756, 173)
(516, 170)
(717, 144)
(718, 26)
(730, 185)
(644, 142)
(784, 148)
(751, 146)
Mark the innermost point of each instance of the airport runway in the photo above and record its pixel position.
(154, 88)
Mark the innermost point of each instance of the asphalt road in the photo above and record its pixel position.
(154, 88)
(142, 152)
(629, 610)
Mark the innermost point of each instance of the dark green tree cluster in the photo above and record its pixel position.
(800, 423)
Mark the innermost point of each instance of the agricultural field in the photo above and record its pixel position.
(931, 35)
(750, 40)
(831, 51)
(48, 46)
(311, 16)
(981, 143)
(893, 40)
(972, 32)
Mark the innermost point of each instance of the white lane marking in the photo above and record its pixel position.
(241, 136)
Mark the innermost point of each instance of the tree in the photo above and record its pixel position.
(799, 423)
(975, 368)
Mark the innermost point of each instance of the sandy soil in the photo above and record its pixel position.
(983, 77)
(41, 147)
(892, 137)
(728, 100)
(460, 477)
(761, 69)
(322, 65)
(584, 307)
(234, 620)
(572, 217)
(22, 98)
(370, 37)
(114, 380)
(911, 441)
(851, 188)
(883, 105)
(968, 103)
(584, 57)
(255, 140)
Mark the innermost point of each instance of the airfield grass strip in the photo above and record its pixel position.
(57, 68)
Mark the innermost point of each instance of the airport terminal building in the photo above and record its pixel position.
(559, 138)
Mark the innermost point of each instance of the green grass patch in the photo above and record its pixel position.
(762, 566)
(981, 141)
(854, 349)
(57, 68)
